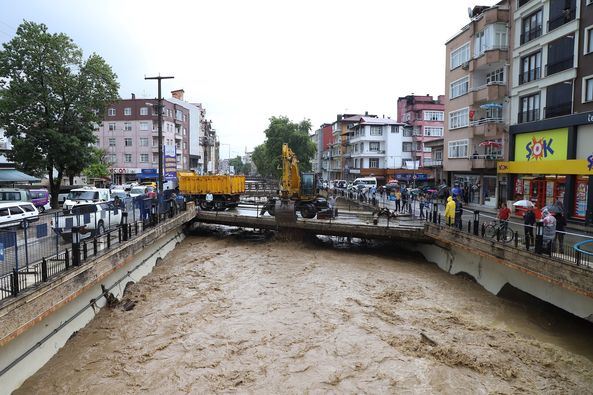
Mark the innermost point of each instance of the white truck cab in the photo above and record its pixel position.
(86, 195)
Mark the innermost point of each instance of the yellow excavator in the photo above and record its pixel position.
(297, 192)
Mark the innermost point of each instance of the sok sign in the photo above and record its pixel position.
(542, 145)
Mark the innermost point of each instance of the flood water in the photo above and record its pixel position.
(233, 313)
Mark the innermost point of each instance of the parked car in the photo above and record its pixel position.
(138, 191)
(14, 195)
(86, 195)
(92, 219)
(40, 199)
(15, 213)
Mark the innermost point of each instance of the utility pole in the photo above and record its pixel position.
(160, 129)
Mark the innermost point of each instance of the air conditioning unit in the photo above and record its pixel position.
(465, 65)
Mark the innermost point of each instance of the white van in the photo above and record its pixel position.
(14, 195)
(86, 195)
(15, 213)
(366, 181)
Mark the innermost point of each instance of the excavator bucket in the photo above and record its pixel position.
(284, 211)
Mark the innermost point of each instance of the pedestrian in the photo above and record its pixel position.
(398, 199)
(504, 213)
(538, 214)
(405, 200)
(458, 211)
(549, 230)
(332, 205)
(450, 211)
(560, 230)
(421, 203)
(528, 224)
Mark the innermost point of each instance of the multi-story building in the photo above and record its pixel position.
(194, 148)
(129, 135)
(476, 105)
(426, 117)
(551, 132)
(320, 163)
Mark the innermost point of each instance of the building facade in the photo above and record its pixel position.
(129, 136)
(476, 103)
(551, 133)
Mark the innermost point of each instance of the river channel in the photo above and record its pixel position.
(236, 312)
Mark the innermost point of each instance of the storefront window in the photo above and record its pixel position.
(489, 191)
(580, 201)
(542, 191)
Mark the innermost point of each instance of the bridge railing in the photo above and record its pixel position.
(34, 256)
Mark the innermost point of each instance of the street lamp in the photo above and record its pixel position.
(160, 127)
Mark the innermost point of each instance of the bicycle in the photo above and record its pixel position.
(494, 227)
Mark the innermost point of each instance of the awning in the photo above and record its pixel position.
(14, 176)
(142, 176)
(487, 106)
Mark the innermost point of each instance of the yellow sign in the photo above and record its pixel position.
(541, 146)
(572, 166)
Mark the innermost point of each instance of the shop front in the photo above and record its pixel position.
(477, 188)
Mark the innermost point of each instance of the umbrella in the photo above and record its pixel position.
(552, 208)
(490, 143)
(523, 203)
(431, 190)
(491, 105)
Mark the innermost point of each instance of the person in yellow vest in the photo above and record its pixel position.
(450, 211)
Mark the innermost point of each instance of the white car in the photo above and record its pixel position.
(15, 213)
(93, 219)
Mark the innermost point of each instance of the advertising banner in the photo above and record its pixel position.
(170, 162)
(541, 146)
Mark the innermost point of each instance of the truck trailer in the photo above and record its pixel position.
(212, 192)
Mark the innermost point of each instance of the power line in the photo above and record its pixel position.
(7, 25)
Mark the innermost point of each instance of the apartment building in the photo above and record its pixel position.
(335, 156)
(476, 103)
(322, 138)
(129, 135)
(551, 132)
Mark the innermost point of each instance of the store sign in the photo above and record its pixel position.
(123, 170)
(572, 166)
(170, 159)
(544, 145)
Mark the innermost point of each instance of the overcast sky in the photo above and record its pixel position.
(249, 60)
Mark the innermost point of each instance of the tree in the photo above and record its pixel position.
(267, 156)
(51, 101)
(240, 167)
(99, 167)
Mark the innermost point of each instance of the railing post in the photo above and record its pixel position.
(497, 234)
(439, 219)
(66, 259)
(516, 239)
(469, 226)
(435, 210)
(119, 232)
(136, 228)
(44, 270)
(577, 257)
(95, 246)
(108, 239)
(84, 251)
(527, 238)
(476, 222)
(15, 282)
(124, 225)
(539, 237)
(75, 246)
(483, 231)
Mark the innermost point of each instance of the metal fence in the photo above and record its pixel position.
(36, 252)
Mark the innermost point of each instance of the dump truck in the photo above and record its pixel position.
(212, 192)
(298, 193)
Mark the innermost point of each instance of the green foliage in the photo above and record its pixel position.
(268, 156)
(238, 164)
(99, 167)
(51, 100)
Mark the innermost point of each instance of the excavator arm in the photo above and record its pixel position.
(291, 179)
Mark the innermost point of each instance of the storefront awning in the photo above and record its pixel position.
(15, 176)
(571, 166)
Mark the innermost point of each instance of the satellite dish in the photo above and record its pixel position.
(469, 12)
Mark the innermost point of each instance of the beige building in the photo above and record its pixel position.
(477, 108)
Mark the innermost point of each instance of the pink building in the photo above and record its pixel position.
(426, 118)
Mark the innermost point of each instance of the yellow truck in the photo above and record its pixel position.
(212, 192)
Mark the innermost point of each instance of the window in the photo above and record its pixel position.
(376, 131)
(143, 158)
(458, 148)
(112, 142)
(589, 40)
(394, 129)
(111, 112)
(127, 126)
(143, 142)
(588, 91)
(112, 126)
(184, 145)
(143, 125)
(408, 131)
(434, 116)
(155, 141)
(530, 68)
(407, 147)
(529, 108)
(560, 13)
(155, 157)
(143, 110)
(128, 158)
(437, 155)
(494, 36)
(112, 158)
(433, 131)
(128, 111)
(459, 56)
(179, 115)
(459, 87)
(128, 142)
(459, 118)
(374, 146)
(496, 76)
(532, 26)
(373, 163)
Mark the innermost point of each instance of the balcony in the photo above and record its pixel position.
(485, 161)
(490, 56)
(558, 110)
(531, 34)
(432, 163)
(489, 93)
(488, 127)
(528, 116)
(530, 75)
(558, 66)
(562, 19)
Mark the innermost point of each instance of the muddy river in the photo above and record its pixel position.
(233, 313)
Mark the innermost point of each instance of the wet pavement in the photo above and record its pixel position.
(243, 313)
